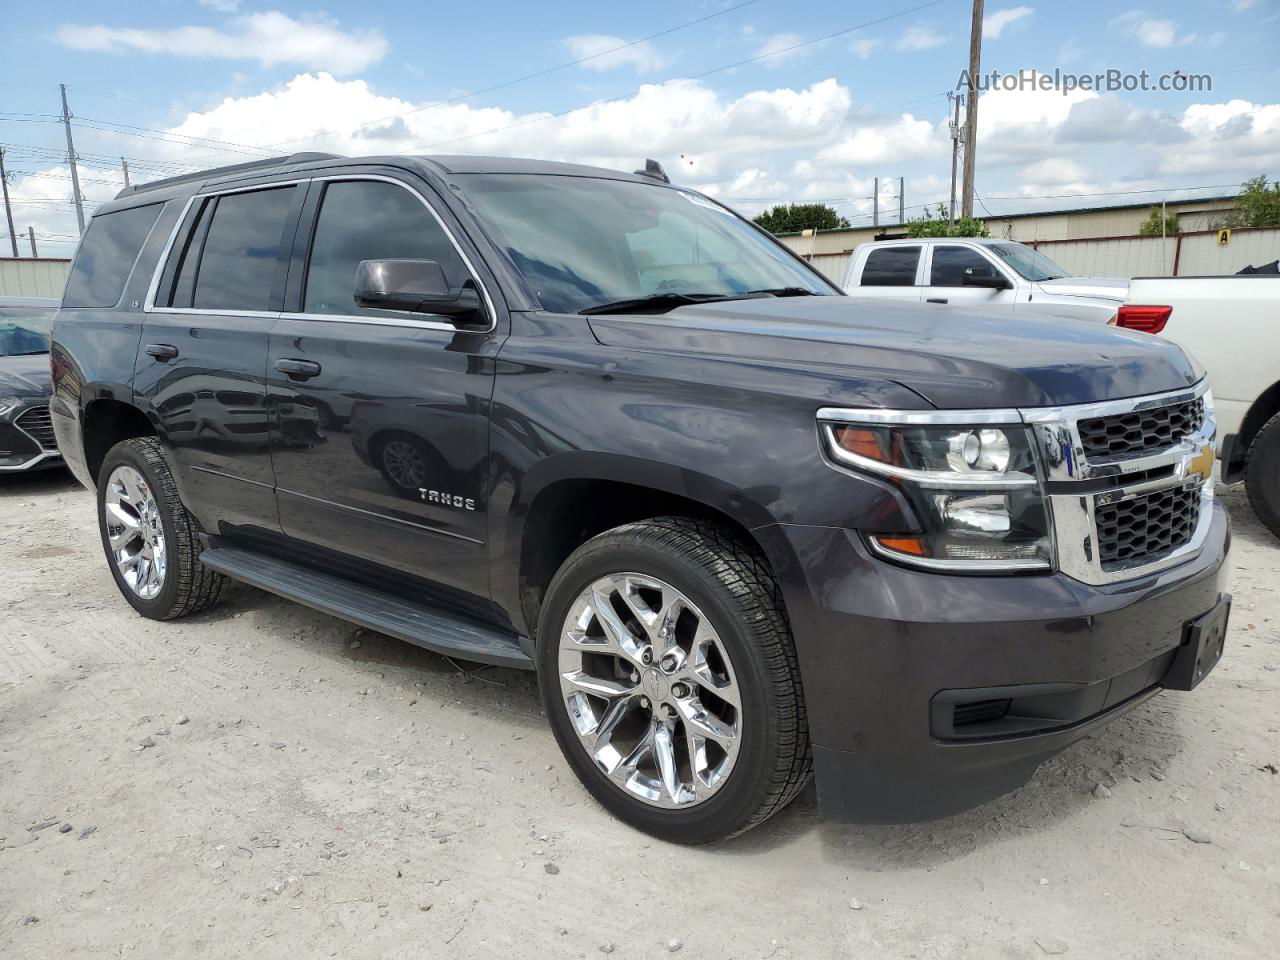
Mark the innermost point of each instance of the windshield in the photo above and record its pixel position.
(583, 243)
(25, 330)
(1029, 263)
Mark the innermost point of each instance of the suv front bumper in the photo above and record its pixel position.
(905, 672)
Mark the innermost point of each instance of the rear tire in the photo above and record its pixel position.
(155, 556)
(1262, 474)
(733, 619)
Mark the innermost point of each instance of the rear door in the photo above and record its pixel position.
(890, 272)
(945, 279)
(381, 438)
(202, 360)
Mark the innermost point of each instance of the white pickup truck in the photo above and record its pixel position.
(1232, 326)
(974, 272)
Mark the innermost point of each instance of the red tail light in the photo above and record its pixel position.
(1146, 319)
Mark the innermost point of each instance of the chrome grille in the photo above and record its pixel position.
(1140, 431)
(36, 424)
(1142, 529)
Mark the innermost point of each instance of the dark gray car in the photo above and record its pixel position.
(26, 435)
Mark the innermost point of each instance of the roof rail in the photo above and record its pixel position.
(224, 171)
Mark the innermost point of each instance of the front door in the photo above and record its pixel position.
(381, 437)
(202, 358)
(947, 264)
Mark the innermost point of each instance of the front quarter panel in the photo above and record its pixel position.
(738, 436)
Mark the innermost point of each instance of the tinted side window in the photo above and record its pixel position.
(188, 253)
(950, 263)
(106, 256)
(239, 261)
(370, 220)
(891, 267)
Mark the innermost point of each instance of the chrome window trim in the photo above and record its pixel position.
(1060, 452)
(409, 320)
(490, 309)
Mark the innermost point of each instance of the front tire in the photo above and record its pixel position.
(150, 539)
(667, 667)
(1262, 474)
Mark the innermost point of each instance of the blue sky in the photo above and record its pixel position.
(740, 104)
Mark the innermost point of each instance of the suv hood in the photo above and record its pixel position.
(955, 358)
(26, 376)
(1105, 288)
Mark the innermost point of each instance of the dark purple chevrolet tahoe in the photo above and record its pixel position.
(595, 425)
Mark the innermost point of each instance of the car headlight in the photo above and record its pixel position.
(8, 405)
(976, 489)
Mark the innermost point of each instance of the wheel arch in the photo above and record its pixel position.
(596, 494)
(107, 422)
(1266, 406)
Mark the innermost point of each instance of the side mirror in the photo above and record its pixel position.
(418, 286)
(984, 277)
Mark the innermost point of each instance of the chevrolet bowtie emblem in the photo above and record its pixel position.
(1202, 463)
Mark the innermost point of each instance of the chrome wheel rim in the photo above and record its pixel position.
(404, 463)
(135, 533)
(650, 690)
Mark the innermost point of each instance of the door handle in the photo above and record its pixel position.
(936, 300)
(299, 369)
(161, 351)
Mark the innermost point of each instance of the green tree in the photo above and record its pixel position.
(1260, 204)
(794, 217)
(929, 225)
(1157, 224)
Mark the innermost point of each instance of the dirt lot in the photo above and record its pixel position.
(264, 781)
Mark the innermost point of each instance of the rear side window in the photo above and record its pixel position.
(241, 253)
(371, 220)
(891, 267)
(950, 263)
(106, 256)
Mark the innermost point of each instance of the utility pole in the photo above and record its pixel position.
(957, 137)
(8, 210)
(971, 111)
(875, 203)
(31, 235)
(902, 200)
(124, 165)
(71, 159)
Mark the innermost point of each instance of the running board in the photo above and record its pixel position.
(425, 626)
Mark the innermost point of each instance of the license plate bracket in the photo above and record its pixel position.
(1202, 649)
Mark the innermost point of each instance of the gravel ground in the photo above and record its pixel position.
(265, 781)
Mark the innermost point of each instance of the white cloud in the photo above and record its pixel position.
(604, 53)
(1056, 171)
(994, 23)
(777, 49)
(1248, 133)
(1156, 32)
(919, 36)
(901, 140)
(864, 47)
(222, 6)
(1242, 5)
(271, 38)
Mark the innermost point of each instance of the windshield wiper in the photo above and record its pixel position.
(656, 303)
(662, 302)
(783, 292)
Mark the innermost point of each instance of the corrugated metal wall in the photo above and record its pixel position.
(26, 277)
(1120, 257)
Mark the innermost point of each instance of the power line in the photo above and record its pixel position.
(536, 74)
(696, 76)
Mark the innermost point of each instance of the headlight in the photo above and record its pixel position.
(8, 405)
(976, 489)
